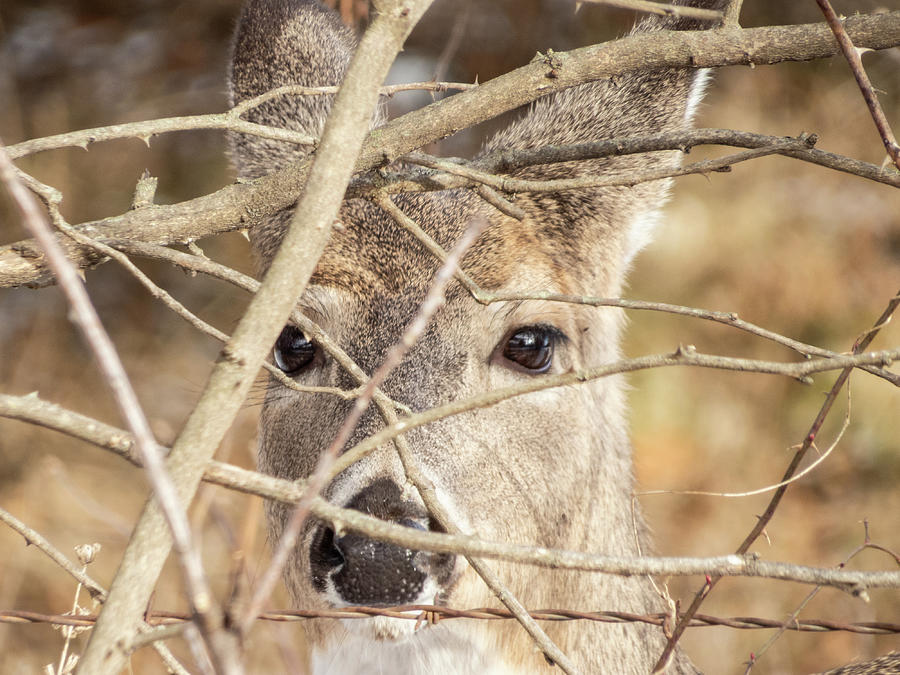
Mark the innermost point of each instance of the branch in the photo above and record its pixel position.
(509, 184)
(507, 160)
(243, 355)
(229, 208)
(761, 523)
(229, 120)
(193, 263)
(33, 537)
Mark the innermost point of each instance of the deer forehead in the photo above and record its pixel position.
(370, 253)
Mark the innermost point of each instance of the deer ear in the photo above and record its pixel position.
(615, 219)
(277, 43)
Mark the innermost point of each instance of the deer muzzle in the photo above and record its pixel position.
(352, 569)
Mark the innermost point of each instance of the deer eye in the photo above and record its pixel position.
(531, 348)
(293, 352)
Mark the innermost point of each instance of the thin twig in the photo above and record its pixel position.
(509, 184)
(229, 120)
(163, 296)
(768, 488)
(662, 9)
(681, 357)
(32, 537)
(194, 263)
(854, 59)
(792, 621)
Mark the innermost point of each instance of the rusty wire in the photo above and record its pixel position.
(435, 613)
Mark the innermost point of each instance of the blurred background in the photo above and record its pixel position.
(801, 250)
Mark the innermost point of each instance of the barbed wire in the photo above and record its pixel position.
(434, 614)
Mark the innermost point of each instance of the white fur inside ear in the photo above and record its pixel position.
(641, 227)
(640, 233)
(698, 90)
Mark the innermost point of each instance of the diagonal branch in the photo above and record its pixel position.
(243, 355)
(852, 54)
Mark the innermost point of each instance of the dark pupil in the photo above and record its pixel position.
(292, 350)
(531, 348)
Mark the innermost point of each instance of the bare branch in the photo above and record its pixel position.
(33, 537)
(85, 317)
(509, 184)
(290, 492)
(229, 120)
(852, 54)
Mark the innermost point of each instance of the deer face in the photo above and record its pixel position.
(523, 470)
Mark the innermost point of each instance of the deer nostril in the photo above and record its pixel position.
(327, 551)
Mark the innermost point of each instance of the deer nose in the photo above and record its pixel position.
(363, 571)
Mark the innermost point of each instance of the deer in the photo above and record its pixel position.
(552, 468)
